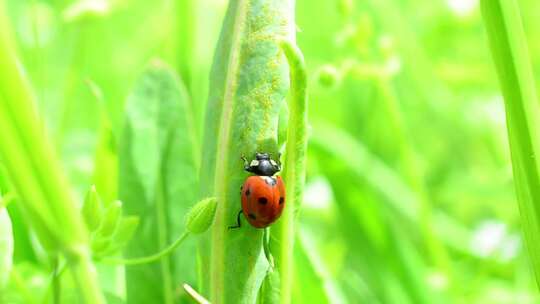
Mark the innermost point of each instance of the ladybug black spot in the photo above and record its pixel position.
(262, 200)
(248, 192)
(281, 200)
(252, 216)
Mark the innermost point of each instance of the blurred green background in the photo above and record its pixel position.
(409, 195)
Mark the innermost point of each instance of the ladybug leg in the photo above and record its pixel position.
(238, 223)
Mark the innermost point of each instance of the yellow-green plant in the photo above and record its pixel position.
(30, 160)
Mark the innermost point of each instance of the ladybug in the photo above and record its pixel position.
(263, 194)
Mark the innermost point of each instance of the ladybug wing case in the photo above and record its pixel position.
(263, 199)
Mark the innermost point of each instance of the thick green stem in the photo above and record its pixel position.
(85, 275)
(294, 168)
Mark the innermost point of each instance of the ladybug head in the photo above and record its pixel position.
(262, 165)
(262, 156)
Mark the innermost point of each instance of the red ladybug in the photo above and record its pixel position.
(263, 194)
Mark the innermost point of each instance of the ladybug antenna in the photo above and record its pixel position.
(279, 161)
(246, 163)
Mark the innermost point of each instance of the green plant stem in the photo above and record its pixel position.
(294, 167)
(163, 231)
(56, 277)
(85, 275)
(56, 283)
(266, 247)
(510, 53)
(151, 258)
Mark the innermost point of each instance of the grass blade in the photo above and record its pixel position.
(509, 48)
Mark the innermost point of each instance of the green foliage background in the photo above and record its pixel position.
(409, 195)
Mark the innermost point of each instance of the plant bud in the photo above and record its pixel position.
(201, 216)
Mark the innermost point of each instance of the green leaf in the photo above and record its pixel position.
(6, 248)
(100, 246)
(311, 274)
(105, 175)
(127, 227)
(248, 84)
(510, 52)
(372, 234)
(158, 179)
(124, 233)
(370, 170)
(111, 220)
